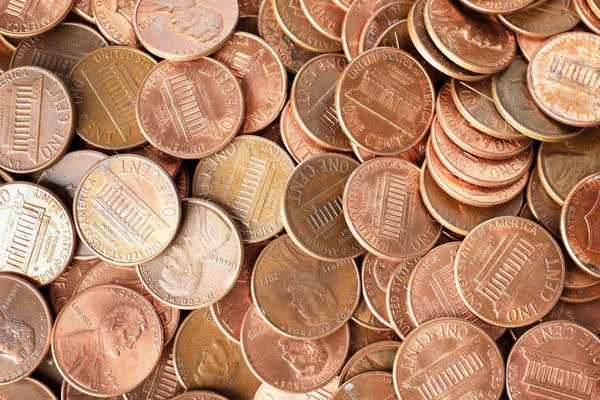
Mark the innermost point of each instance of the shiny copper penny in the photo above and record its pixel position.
(385, 101)
(229, 312)
(581, 295)
(26, 389)
(558, 358)
(262, 76)
(449, 357)
(396, 299)
(199, 395)
(25, 328)
(201, 107)
(247, 179)
(313, 211)
(83, 8)
(300, 296)
(595, 6)
(379, 21)
(68, 392)
(587, 15)
(23, 20)
(370, 385)
(297, 143)
(62, 289)
(497, 7)
(211, 359)
(38, 119)
(114, 18)
(476, 42)
(293, 365)
(546, 19)
(542, 206)
(325, 16)
(378, 356)
(203, 262)
(364, 321)
(127, 210)
(509, 271)
(59, 49)
(313, 101)
(529, 45)
(105, 86)
(557, 87)
(182, 181)
(268, 392)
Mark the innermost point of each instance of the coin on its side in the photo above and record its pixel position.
(268, 392)
(375, 385)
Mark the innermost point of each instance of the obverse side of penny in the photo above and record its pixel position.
(68, 392)
(380, 20)
(27, 388)
(529, 45)
(324, 16)
(247, 179)
(105, 85)
(510, 271)
(542, 206)
(547, 19)
(127, 210)
(18, 20)
(26, 325)
(378, 356)
(107, 328)
(62, 289)
(397, 299)
(297, 143)
(385, 101)
(203, 262)
(115, 21)
(370, 385)
(268, 392)
(200, 103)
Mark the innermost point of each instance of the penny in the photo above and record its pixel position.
(25, 327)
(6, 55)
(203, 262)
(415, 154)
(229, 312)
(268, 392)
(557, 357)
(378, 356)
(68, 392)
(59, 49)
(542, 206)
(202, 107)
(127, 210)
(169, 163)
(546, 19)
(26, 388)
(343, 4)
(297, 143)
(370, 385)
(298, 28)
(562, 165)
(362, 336)
(526, 213)
(576, 277)
(325, 16)
(199, 395)
(573, 101)
(587, 15)
(293, 365)
(83, 8)
(474, 41)
(396, 299)
(23, 20)
(449, 357)
(262, 76)
(48, 373)
(581, 295)
(249, 7)
(385, 101)
(62, 289)
(500, 7)
(292, 56)
(364, 320)
(509, 271)
(104, 85)
(28, 96)
(247, 179)
(114, 18)
(515, 103)
(529, 45)
(312, 101)
(595, 6)
(211, 359)
(379, 21)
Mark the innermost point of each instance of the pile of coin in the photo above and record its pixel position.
(300, 199)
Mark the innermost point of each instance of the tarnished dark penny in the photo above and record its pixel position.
(107, 340)
(300, 296)
(201, 107)
(248, 24)
(325, 16)
(62, 289)
(449, 358)
(268, 392)
(587, 15)
(27, 19)
(396, 225)
(364, 320)
(25, 328)
(581, 295)
(497, 7)
(542, 206)
(27, 388)
(114, 18)
(529, 45)
(509, 271)
(297, 143)
(546, 19)
(385, 101)
(293, 365)
(379, 21)
(377, 385)
(396, 299)
(6, 54)
(415, 154)
(249, 7)
(378, 356)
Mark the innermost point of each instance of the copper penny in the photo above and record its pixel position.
(182, 181)
(396, 299)
(515, 103)
(313, 101)
(59, 49)
(362, 336)
(25, 327)
(114, 18)
(127, 210)
(107, 340)
(262, 76)
(199, 395)
(343, 4)
(474, 41)
(587, 15)
(380, 21)
(268, 392)
(28, 96)
(169, 163)
(6, 55)
(377, 356)
(542, 206)
(385, 101)
(105, 86)
(62, 289)
(376, 385)
(595, 6)
(26, 389)
(203, 262)
(581, 295)
(229, 312)
(449, 358)
(529, 45)
(510, 271)
(292, 365)
(576, 277)
(83, 8)
(211, 359)
(249, 7)
(497, 7)
(325, 16)
(23, 20)
(201, 107)
(247, 179)
(297, 143)
(562, 91)
(415, 154)
(313, 211)
(366, 322)
(68, 392)
(557, 359)
(546, 19)
(300, 296)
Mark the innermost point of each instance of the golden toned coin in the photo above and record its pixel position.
(23, 20)
(114, 18)
(26, 389)
(366, 322)
(380, 21)
(312, 207)
(300, 296)
(529, 45)
(595, 6)
(297, 143)
(546, 19)
(497, 7)
(325, 16)
(377, 356)
(542, 206)
(68, 392)
(587, 15)
(247, 179)
(127, 210)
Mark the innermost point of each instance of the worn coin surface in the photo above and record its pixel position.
(199, 395)
(27, 388)
(23, 20)
(115, 20)
(68, 392)
(297, 143)
(549, 18)
(367, 325)
(376, 385)
(171, 164)
(83, 8)
(377, 356)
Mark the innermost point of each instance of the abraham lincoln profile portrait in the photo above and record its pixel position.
(218, 366)
(17, 339)
(306, 357)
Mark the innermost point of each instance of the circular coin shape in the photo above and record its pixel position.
(127, 210)
(385, 101)
(396, 299)
(107, 340)
(377, 356)
(595, 6)
(68, 392)
(324, 16)
(365, 322)
(268, 392)
(300, 296)
(114, 18)
(510, 271)
(548, 18)
(529, 45)
(297, 143)
(375, 385)
(26, 389)
(201, 107)
(581, 295)
(62, 289)
(380, 21)
(199, 395)
(83, 8)
(542, 206)
(24, 20)
(587, 15)
(171, 164)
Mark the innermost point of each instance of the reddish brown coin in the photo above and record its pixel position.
(366, 322)
(542, 206)
(169, 163)
(182, 181)
(378, 356)
(297, 143)
(529, 45)
(415, 155)
(201, 103)
(23, 20)
(510, 271)
(83, 8)
(587, 15)
(114, 18)
(325, 16)
(385, 101)
(107, 340)
(375, 385)
(26, 389)
(542, 18)
(396, 299)
(581, 295)
(62, 289)
(362, 335)
(497, 7)
(68, 392)
(380, 21)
